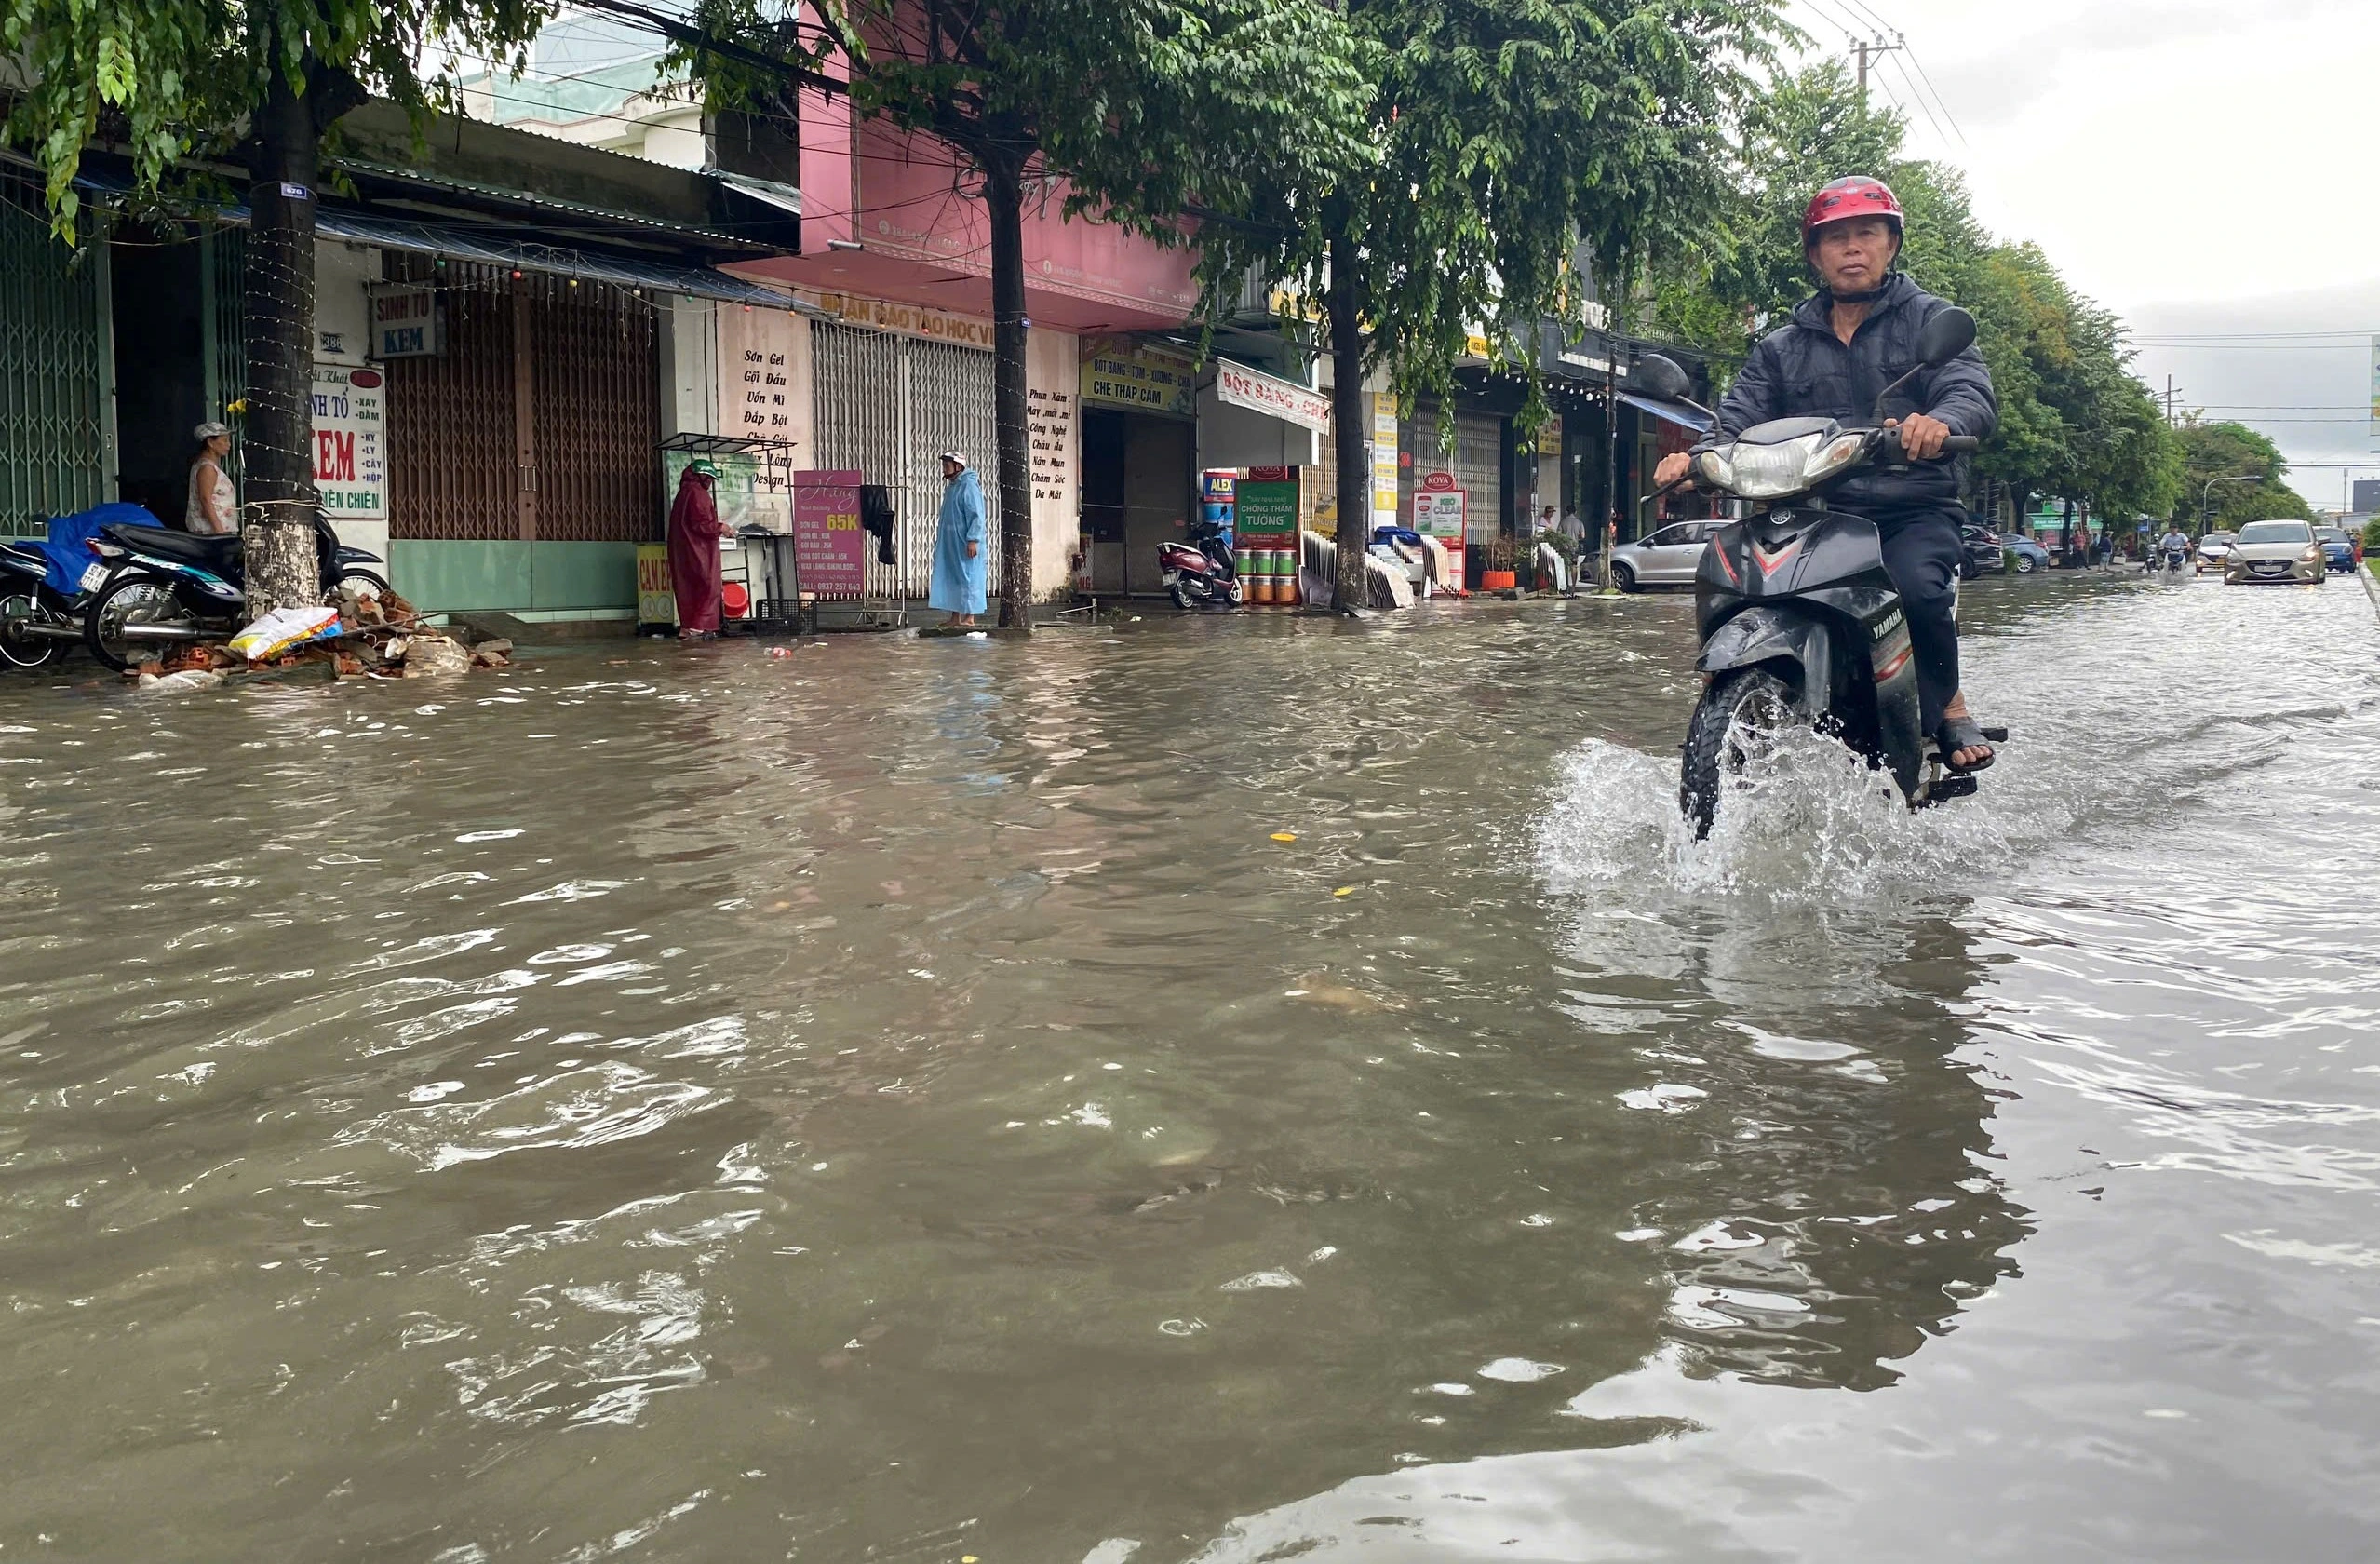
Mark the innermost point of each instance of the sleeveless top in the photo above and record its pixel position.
(194, 516)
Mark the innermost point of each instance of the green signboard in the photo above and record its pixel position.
(1267, 515)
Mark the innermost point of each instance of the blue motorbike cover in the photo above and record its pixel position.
(64, 546)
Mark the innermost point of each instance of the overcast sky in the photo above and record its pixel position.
(2200, 168)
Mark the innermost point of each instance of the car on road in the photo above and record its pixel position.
(2338, 550)
(1982, 555)
(2277, 550)
(1668, 557)
(2030, 556)
(2212, 549)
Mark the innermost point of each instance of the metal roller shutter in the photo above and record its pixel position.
(52, 379)
(889, 406)
(1477, 462)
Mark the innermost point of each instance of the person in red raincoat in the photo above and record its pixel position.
(694, 532)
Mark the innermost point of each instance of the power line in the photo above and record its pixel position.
(1922, 101)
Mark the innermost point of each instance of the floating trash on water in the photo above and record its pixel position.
(1519, 1371)
(1344, 891)
(1261, 1281)
(1181, 1327)
(1666, 1097)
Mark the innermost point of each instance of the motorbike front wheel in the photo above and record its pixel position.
(1740, 708)
(132, 598)
(368, 584)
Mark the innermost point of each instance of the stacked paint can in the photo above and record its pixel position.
(1259, 578)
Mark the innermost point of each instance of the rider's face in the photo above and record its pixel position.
(1853, 256)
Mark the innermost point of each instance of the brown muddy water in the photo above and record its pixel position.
(900, 1102)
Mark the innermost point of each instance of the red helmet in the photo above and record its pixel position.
(1857, 195)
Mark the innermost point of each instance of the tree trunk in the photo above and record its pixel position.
(277, 308)
(1003, 195)
(1350, 426)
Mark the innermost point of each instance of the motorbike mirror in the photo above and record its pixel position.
(1655, 376)
(1948, 334)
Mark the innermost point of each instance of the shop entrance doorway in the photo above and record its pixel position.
(1139, 489)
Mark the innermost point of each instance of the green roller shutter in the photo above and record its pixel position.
(54, 355)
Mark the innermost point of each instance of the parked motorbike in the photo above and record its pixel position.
(1200, 573)
(45, 585)
(1799, 622)
(176, 586)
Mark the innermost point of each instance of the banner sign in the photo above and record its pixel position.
(1386, 432)
(656, 603)
(2375, 393)
(408, 321)
(829, 549)
(1267, 510)
(350, 467)
(1438, 513)
(1144, 379)
(1275, 397)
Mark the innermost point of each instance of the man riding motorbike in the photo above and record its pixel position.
(2174, 549)
(1844, 345)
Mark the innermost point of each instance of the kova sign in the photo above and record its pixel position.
(350, 460)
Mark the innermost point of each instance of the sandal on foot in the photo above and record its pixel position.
(1962, 732)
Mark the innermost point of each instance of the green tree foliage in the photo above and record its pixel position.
(1146, 109)
(254, 84)
(1508, 140)
(2074, 422)
(2232, 451)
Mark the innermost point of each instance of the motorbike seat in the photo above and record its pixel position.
(213, 554)
(24, 555)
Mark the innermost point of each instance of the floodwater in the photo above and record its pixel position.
(902, 1102)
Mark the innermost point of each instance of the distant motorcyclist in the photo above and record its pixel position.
(1845, 344)
(2174, 549)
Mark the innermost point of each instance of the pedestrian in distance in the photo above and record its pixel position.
(210, 510)
(958, 539)
(696, 578)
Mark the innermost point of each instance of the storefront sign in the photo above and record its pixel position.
(911, 321)
(1438, 513)
(350, 466)
(1049, 422)
(829, 549)
(1385, 435)
(657, 604)
(1267, 509)
(1144, 379)
(408, 321)
(1271, 396)
(755, 373)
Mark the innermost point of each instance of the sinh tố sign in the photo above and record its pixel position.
(350, 464)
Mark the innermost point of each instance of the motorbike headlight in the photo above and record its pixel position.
(1761, 472)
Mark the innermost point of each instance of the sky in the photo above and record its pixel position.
(2204, 169)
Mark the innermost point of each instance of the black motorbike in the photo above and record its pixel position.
(37, 620)
(1799, 621)
(177, 587)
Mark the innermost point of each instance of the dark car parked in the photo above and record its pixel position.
(1982, 556)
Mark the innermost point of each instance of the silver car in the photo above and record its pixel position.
(1668, 557)
(2284, 550)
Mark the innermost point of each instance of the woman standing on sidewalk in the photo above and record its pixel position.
(694, 572)
(209, 509)
(957, 587)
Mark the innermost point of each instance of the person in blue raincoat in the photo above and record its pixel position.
(959, 541)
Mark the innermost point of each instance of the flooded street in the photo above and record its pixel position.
(902, 1102)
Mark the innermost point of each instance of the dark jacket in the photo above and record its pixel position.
(1803, 370)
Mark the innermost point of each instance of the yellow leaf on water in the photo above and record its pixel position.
(1344, 891)
(1284, 836)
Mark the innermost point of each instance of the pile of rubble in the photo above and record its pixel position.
(379, 637)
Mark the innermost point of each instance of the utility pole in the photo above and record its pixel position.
(1864, 48)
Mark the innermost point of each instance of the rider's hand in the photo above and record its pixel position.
(1921, 436)
(1673, 467)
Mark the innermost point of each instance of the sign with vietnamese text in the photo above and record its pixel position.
(408, 320)
(829, 549)
(1268, 511)
(1386, 433)
(1271, 395)
(1144, 379)
(656, 603)
(350, 464)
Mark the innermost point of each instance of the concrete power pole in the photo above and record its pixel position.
(1879, 48)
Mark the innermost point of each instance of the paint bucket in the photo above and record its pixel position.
(1260, 587)
(1241, 561)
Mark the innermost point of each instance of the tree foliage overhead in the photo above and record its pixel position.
(2232, 451)
(1509, 138)
(2074, 421)
(166, 77)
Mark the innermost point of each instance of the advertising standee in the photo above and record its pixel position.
(829, 548)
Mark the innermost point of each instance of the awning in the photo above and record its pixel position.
(1275, 397)
(458, 244)
(1674, 413)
